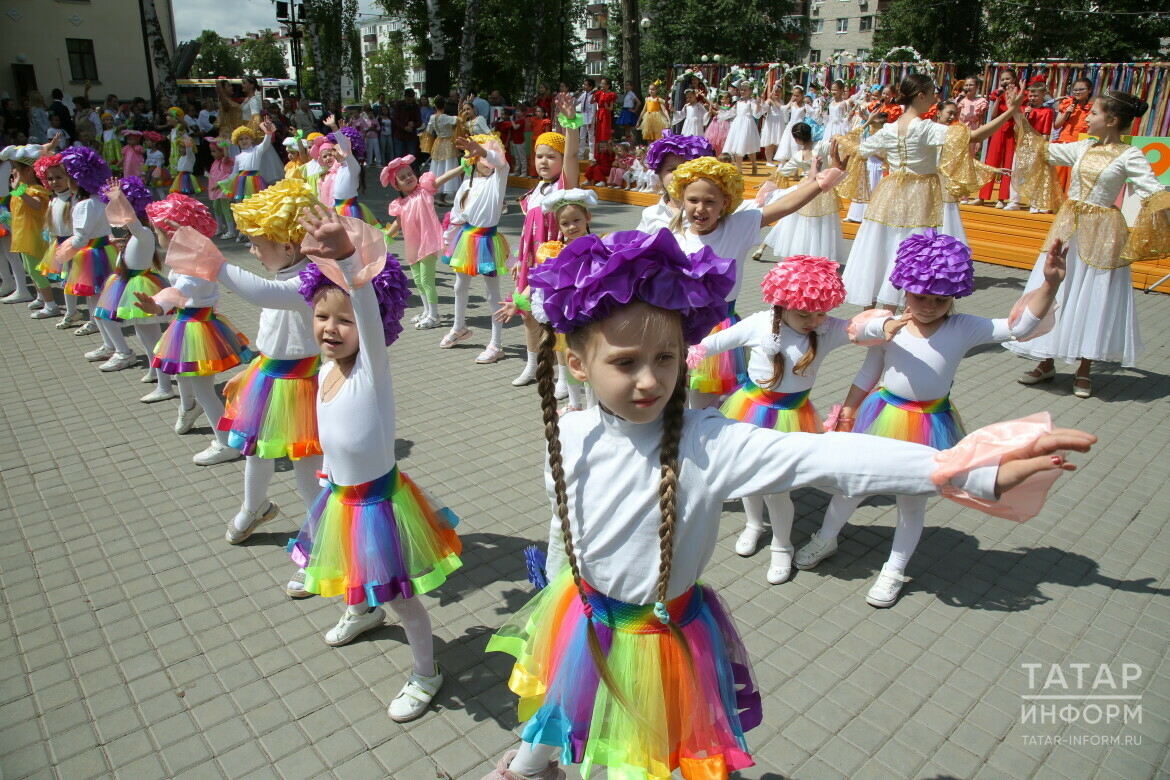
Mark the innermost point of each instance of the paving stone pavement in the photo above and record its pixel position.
(136, 643)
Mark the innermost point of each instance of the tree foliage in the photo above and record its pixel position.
(385, 69)
(334, 43)
(263, 56)
(216, 58)
(682, 31)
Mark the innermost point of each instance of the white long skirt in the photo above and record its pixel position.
(1097, 319)
(773, 131)
(797, 234)
(743, 139)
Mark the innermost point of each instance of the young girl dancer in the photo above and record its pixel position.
(444, 156)
(270, 409)
(916, 358)
(133, 156)
(837, 111)
(743, 139)
(182, 160)
(29, 200)
(155, 165)
(621, 662)
(348, 176)
(775, 120)
(694, 114)
(111, 146)
(558, 169)
(910, 199)
(219, 172)
(1098, 319)
(663, 158)
(415, 219)
(720, 124)
(136, 271)
(200, 342)
(474, 247)
(246, 180)
(655, 117)
(864, 173)
(796, 113)
(371, 535)
(816, 228)
(787, 346)
(711, 193)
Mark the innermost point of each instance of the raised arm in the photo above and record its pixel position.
(1015, 100)
(266, 293)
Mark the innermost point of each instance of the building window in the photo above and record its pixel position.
(866, 24)
(863, 55)
(842, 25)
(593, 67)
(814, 55)
(82, 63)
(818, 26)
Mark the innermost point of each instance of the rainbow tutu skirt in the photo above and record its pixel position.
(247, 184)
(350, 207)
(788, 412)
(477, 251)
(722, 373)
(693, 704)
(186, 183)
(933, 423)
(117, 300)
(271, 408)
(200, 343)
(5, 216)
(50, 267)
(376, 542)
(90, 267)
(160, 177)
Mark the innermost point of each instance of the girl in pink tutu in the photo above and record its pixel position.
(722, 115)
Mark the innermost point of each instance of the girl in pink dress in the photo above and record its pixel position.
(133, 155)
(220, 170)
(721, 116)
(420, 229)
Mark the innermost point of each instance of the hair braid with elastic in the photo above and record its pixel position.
(546, 386)
(802, 365)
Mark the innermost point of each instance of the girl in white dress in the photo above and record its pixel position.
(1097, 318)
(796, 113)
(694, 114)
(743, 139)
(837, 110)
(815, 229)
(775, 120)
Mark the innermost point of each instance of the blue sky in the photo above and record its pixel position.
(232, 18)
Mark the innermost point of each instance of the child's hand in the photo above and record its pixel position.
(835, 155)
(506, 312)
(147, 304)
(1054, 264)
(267, 127)
(566, 106)
(894, 324)
(1041, 455)
(324, 226)
(1015, 98)
(467, 144)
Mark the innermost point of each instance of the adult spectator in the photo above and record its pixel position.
(1072, 121)
(303, 119)
(496, 106)
(481, 106)
(207, 118)
(376, 106)
(63, 113)
(407, 121)
(253, 104)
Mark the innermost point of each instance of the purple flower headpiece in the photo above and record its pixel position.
(592, 277)
(135, 191)
(86, 167)
(356, 142)
(934, 263)
(688, 147)
(390, 288)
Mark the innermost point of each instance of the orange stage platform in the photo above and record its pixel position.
(1010, 238)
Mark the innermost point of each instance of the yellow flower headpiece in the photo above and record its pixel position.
(313, 137)
(548, 249)
(243, 130)
(176, 112)
(725, 176)
(274, 212)
(487, 139)
(552, 140)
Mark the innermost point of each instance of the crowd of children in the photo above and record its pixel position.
(623, 659)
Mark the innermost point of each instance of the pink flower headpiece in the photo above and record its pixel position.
(804, 283)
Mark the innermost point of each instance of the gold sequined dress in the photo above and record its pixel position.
(1096, 319)
(816, 228)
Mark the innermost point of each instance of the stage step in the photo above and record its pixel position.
(1008, 238)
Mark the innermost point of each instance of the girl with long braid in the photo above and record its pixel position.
(633, 666)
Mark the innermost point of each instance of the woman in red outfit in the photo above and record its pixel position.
(605, 98)
(1001, 149)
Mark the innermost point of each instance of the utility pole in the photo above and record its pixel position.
(286, 13)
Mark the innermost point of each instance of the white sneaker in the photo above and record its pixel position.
(215, 454)
(295, 589)
(69, 320)
(19, 295)
(814, 552)
(234, 535)
(884, 592)
(352, 625)
(414, 698)
(527, 377)
(99, 355)
(119, 361)
(416, 319)
(36, 303)
(242, 238)
(187, 418)
(156, 395)
(5, 291)
(87, 329)
(229, 235)
(781, 568)
(746, 544)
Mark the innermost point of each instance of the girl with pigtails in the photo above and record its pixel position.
(634, 666)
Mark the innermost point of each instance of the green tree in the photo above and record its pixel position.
(1078, 30)
(941, 31)
(263, 56)
(216, 58)
(334, 44)
(681, 31)
(385, 69)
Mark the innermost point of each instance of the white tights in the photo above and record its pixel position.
(911, 520)
(417, 625)
(780, 512)
(532, 759)
(201, 390)
(12, 266)
(111, 332)
(149, 333)
(463, 290)
(258, 473)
